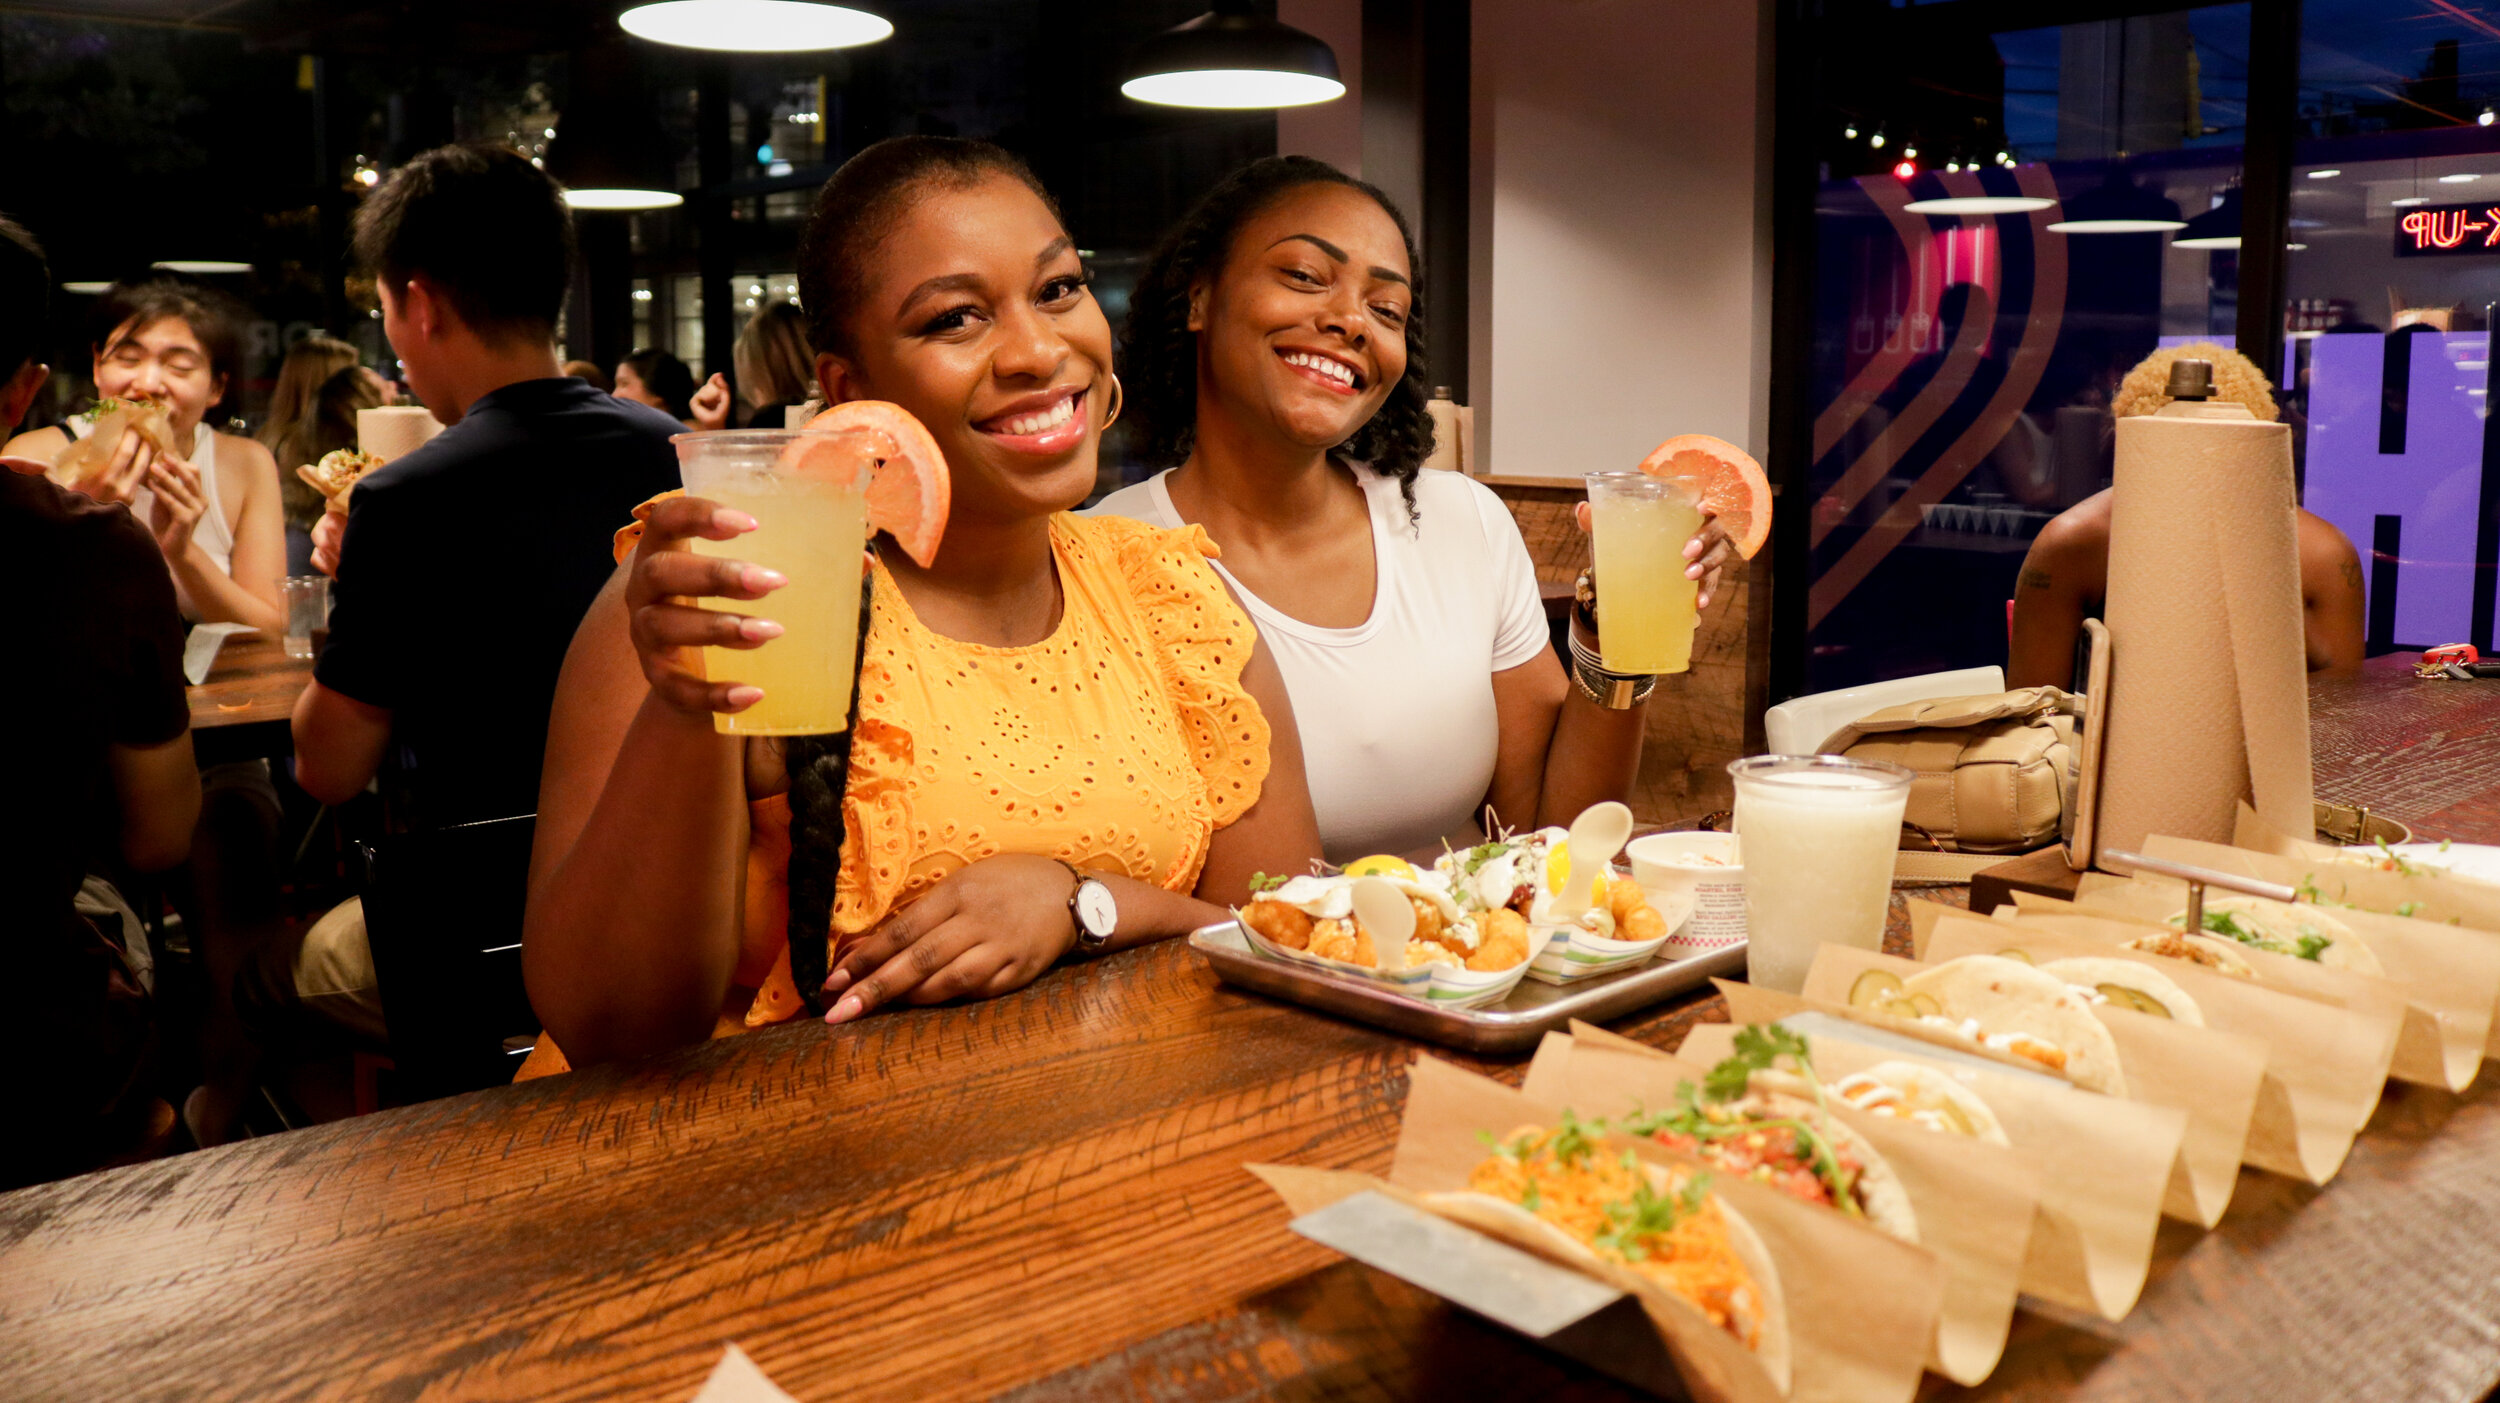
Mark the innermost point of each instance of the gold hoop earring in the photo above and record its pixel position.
(1118, 399)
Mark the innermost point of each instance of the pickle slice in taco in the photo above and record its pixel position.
(1558, 1193)
(2129, 984)
(1753, 1122)
(2301, 931)
(1922, 1096)
(2003, 1006)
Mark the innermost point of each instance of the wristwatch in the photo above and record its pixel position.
(1092, 909)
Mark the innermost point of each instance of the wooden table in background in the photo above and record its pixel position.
(244, 707)
(1042, 1196)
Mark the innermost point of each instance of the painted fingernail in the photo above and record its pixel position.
(837, 981)
(760, 629)
(845, 1010)
(742, 697)
(760, 579)
(727, 520)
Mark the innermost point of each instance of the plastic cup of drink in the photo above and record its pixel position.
(307, 612)
(811, 523)
(1819, 834)
(1645, 606)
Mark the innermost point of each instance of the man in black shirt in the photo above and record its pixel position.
(463, 568)
(100, 773)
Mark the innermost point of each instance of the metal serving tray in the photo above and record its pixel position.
(1514, 1024)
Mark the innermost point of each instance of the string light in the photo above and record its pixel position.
(1851, 131)
(1876, 141)
(1905, 170)
(1909, 153)
(2487, 118)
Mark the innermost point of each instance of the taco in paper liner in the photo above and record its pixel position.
(1777, 1135)
(83, 465)
(1639, 1226)
(2003, 1006)
(1923, 1096)
(2129, 984)
(1315, 915)
(2301, 931)
(2212, 952)
(335, 476)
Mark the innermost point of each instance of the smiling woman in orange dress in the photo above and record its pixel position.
(1063, 733)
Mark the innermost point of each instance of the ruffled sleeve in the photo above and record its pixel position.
(629, 535)
(1203, 640)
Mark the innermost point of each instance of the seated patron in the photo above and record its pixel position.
(213, 507)
(776, 370)
(104, 781)
(507, 513)
(1055, 707)
(2065, 575)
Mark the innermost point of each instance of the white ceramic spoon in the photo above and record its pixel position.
(1596, 836)
(1383, 909)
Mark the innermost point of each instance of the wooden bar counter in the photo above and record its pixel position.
(1042, 1196)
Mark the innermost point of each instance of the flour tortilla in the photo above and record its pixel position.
(2211, 951)
(1887, 1204)
(2089, 971)
(84, 463)
(2281, 924)
(2007, 996)
(1508, 1222)
(1923, 1088)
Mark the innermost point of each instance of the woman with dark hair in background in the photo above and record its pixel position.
(660, 380)
(1137, 775)
(776, 370)
(1274, 354)
(328, 425)
(214, 509)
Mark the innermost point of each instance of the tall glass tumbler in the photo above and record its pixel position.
(307, 613)
(808, 493)
(1819, 832)
(1639, 525)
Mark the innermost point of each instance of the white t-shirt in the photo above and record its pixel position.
(1396, 714)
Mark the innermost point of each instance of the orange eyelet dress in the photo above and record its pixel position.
(1121, 742)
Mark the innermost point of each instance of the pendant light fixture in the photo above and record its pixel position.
(2118, 206)
(2217, 228)
(754, 26)
(1233, 57)
(609, 151)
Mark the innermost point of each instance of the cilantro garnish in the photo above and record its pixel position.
(2311, 946)
(1648, 1214)
(1260, 881)
(2407, 908)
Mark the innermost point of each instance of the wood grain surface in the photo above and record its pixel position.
(252, 682)
(1042, 1197)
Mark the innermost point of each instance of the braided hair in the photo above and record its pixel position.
(855, 212)
(1161, 351)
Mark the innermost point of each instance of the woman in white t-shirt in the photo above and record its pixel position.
(1268, 351)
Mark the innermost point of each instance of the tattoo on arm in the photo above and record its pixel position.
(2352, 572)
(2033, 577)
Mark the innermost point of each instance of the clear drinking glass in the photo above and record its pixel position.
(1819, 832)
(808, 495)
(307, 612)
(1639, 526)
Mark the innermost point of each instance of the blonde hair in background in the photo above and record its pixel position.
(2236, 379)
(772, 359)
(308, 363)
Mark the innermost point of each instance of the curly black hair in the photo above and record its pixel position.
(1160, 352)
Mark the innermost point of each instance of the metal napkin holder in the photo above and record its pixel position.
(2199, 878)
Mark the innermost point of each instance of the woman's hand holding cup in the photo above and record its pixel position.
(663, 619)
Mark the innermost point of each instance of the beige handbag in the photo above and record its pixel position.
(1995, 774)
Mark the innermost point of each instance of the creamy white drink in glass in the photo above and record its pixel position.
(1819, 832)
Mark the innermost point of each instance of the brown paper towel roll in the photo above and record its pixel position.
(2209, 683)
(394, 430)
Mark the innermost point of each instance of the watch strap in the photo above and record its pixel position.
(1087, 943)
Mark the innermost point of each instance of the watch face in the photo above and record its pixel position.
(1095, 908)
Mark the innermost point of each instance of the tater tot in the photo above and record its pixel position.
(1363, 952)
(1278, 922)
(1623, 898)
(1644, 923)
(1503, 941)
(1332, 940)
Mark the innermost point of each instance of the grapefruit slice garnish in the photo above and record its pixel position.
(909, 496)
(1730, 484)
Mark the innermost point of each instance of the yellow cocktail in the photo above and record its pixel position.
(1645, 605)
(811, 524)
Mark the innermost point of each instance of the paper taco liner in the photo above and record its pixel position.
(2253, 833)
(1975, 1201)
(1859, 1306)
(1570, 954)
(2428, 1051)
(2438, 898)
(1467, 988)
(2450, 977)
(2210, 1074)
(2103, 1164)
(2324, 1066)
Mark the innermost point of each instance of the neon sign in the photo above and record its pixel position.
(2441, 230)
